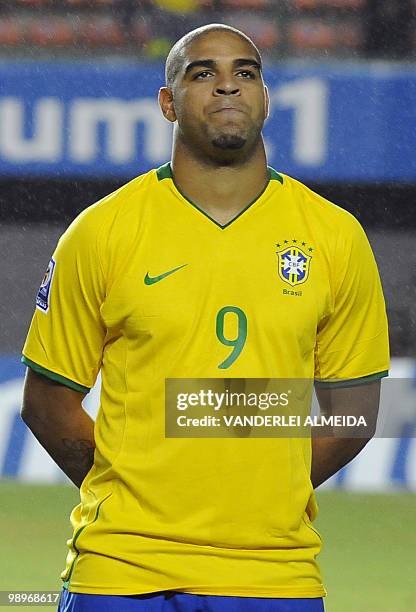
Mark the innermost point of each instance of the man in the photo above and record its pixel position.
(214, 265)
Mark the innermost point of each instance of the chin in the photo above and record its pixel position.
(229, 142)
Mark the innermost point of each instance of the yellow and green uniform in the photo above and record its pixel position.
(145, 286)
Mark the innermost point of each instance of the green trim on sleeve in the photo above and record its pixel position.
(351, 382)
(53, 376)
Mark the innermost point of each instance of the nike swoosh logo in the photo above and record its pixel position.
(151, 280)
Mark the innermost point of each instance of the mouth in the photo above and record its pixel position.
(227, 109)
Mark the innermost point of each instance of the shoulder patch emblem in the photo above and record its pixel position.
(42, 298)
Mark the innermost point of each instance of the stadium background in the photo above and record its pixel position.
(78, 117)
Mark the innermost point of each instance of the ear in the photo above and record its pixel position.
(266, 102)
(166, 104)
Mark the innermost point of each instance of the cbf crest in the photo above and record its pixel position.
(294, 262)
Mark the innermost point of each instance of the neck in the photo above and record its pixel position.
(221, 191)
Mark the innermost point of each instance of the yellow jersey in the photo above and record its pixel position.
(145, 287)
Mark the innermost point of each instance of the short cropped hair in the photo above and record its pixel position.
(174, 61)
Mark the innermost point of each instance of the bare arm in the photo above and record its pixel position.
(330, 454)
(54, 414)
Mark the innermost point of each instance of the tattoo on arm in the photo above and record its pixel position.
(78, 456)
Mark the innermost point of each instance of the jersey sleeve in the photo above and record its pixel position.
(66, 335)
(352, 344)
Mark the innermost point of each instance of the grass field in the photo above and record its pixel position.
(368, 558)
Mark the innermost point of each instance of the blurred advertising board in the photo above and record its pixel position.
(333, 122)
(386, 464)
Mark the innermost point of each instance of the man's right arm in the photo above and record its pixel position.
(54, 414)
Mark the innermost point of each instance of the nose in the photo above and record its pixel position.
(226, 91)
(227, 87)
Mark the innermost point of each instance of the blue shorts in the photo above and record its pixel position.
(174, 601)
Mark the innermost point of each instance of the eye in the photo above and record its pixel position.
(247, 74)
(202, 75)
